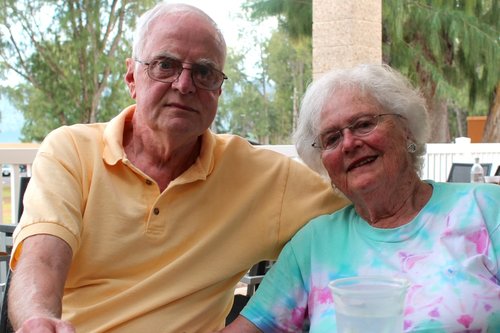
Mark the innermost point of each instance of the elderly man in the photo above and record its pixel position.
(146, 223)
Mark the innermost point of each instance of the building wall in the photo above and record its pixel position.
(346, 33)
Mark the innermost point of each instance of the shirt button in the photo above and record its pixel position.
(156, 211)
(148, 182)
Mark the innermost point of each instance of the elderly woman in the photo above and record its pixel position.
(366, 128)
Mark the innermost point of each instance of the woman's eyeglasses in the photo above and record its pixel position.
(361, 126)
(168, 70)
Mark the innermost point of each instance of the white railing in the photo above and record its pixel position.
(438, 161)
(17, 158)
(440, 157)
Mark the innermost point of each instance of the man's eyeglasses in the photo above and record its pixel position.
(361, 126)
(168, 70)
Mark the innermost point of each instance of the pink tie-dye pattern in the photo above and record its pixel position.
(298, 317)
(434, 313)
(409, 260)
(465, 320)
(324, 296)
(318, 297)
(409, 309)
(480, 239)
(412, 293)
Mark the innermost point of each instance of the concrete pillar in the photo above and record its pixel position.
(346, 33)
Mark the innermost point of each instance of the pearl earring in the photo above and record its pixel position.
(412, 147)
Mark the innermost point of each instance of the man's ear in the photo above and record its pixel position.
(129, 77)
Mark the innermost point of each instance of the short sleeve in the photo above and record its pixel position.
(280, 303)
(307, 196)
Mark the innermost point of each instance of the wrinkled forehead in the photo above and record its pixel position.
(342, 95)
(185, 32)
(346, 103)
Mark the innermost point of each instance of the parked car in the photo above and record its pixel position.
(5, 171)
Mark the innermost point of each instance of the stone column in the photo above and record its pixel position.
(346, 33)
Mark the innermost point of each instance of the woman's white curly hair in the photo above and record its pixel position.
(391, 89)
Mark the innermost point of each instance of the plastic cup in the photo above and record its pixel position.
(492, 179)
(369, 304)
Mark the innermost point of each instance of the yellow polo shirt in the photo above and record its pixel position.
(145, 261)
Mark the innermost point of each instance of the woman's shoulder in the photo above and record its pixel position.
(467, 202)
(324, 225)
(465, 189)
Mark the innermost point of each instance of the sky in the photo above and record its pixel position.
(226, 13)
(238, 32)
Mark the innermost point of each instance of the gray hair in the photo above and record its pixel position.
(142, 28)
(390, 89)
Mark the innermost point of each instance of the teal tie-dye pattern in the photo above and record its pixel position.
(450, 252)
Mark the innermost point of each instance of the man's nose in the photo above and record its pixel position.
(184, 82)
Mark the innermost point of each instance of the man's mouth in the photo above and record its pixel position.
(361, 162)
(182, 107)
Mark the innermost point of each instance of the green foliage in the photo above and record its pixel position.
(71, 55)
(449, 48)
(289, 67)
(264, 108)
(240, 101)
(450, 45)
(294, 16)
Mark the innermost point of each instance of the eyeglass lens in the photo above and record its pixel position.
(361, 126)
(168, 70)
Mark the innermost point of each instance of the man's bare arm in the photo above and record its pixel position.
(37, 285)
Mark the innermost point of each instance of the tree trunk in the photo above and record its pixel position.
(461, 121)
(438, 120)
(438, 116)
(492, 128)
(437, 108)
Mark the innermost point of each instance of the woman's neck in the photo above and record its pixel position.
(394, 208)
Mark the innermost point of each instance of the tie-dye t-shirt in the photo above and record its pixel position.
(450, 253)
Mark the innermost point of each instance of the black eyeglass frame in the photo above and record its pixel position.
(318, 145)
(176, 77)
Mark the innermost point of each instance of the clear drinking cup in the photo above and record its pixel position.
(492, 179)
(369, 304)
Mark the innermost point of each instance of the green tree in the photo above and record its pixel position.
(294, 16)
(289, 67)
(451, 49)
(264, 108)
(242, 103)
(70, 56)
(245, 101)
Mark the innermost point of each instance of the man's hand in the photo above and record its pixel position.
(46, 325)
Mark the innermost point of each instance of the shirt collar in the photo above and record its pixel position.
(114, 152)
(113, 136)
